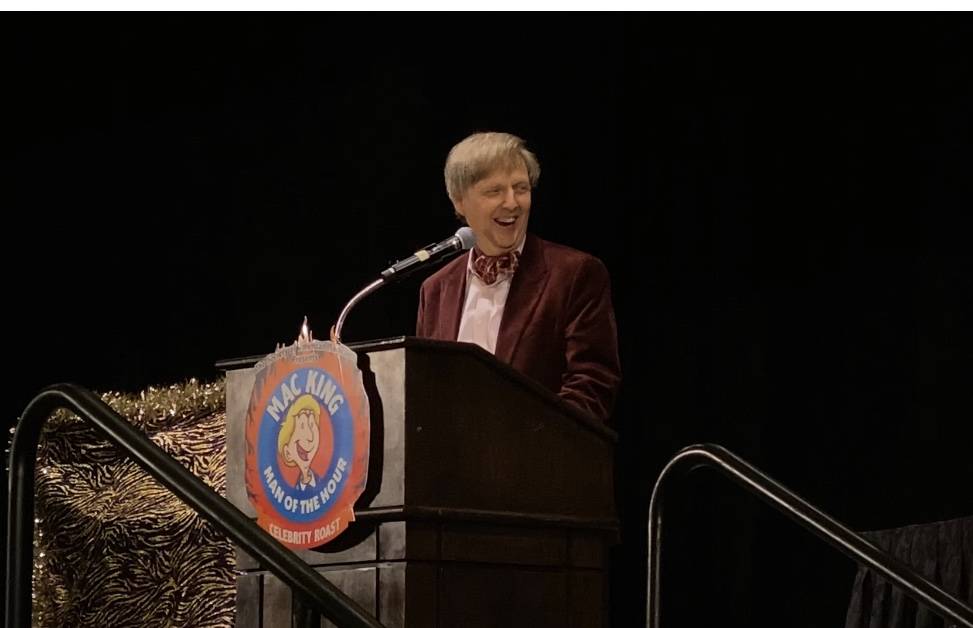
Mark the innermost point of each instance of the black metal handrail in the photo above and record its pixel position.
(309, 587)
(755, 481)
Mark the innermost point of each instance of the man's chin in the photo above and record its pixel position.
(504, 246)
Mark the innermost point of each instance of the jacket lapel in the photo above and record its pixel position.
(525, 293)
(453, 298)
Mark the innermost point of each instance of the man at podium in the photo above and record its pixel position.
(542, 307)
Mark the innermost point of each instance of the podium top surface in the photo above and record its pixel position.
(475, 351)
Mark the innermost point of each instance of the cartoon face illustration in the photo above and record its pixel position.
(300, 437)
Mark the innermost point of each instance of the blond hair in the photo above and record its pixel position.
(481, 154)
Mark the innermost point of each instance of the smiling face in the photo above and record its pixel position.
(497, 208)
(301, 440)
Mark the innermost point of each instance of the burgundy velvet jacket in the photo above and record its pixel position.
(558, 324)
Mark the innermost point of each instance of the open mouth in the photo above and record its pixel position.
(301, 452)
(506, 222)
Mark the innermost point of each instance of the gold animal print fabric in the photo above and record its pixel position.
(113, 548)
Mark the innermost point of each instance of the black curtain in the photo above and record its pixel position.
(783, 204)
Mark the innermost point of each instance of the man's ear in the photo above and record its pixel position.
(458, 206)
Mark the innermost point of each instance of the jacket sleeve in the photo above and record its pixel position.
(593, 371)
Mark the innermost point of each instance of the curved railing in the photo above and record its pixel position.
(313, 595)
(835, 534)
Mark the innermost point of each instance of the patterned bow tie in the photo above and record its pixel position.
(491, 269)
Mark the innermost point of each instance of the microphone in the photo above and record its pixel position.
(463, 240)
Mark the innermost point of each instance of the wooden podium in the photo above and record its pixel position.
(489, 501)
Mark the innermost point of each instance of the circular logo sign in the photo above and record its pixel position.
(307, 442)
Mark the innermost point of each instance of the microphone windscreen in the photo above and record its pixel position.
(466, 237)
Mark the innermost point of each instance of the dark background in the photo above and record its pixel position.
(783, 202)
